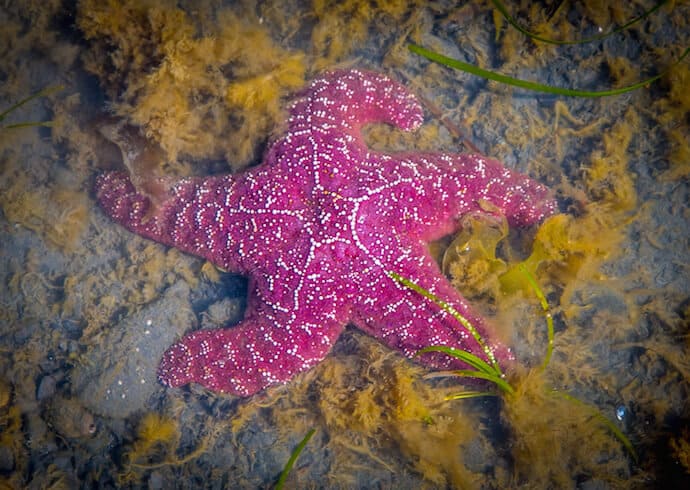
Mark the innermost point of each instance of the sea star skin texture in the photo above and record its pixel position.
(317, 227)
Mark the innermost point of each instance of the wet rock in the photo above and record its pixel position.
(156, 481)
(6, 459)
(53, 476)
(37, 433)
(118, 376)
(46, 388)
(70, 418)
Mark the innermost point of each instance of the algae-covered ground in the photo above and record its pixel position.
(88, 308)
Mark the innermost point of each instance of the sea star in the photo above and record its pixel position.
(317, 228)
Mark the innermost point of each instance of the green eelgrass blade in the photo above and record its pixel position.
(451, 311)
(464, 395)
(467, 357)
(538, 87)
(40, 93)
(482, 370)
(293, 457)
(497, 380)
(547, 313)
(602, 418)
(34, 124)
(511, 20)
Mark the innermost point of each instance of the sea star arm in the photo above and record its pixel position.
(187, 218)
(408, 322)
(270, 346)
(349, 99)
(248, 357)
(424, 194)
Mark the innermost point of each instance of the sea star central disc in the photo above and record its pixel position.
(317, 228)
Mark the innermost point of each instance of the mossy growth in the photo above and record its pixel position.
(680, 446)
(670, 111)
(157, 435)
(200, 87)
(471, 258)
(57, 211)
(342, 26)
(208, 86)
(155, 445)
(12, 440)
(554, 438)
(568, 256)
(377, 411)
(568, 249)
(540, 416)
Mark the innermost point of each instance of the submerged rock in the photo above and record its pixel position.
(70, 418)
(119, 375)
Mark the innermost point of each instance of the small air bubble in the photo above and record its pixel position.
(621, 412)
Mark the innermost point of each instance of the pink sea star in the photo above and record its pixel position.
(317, 227)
